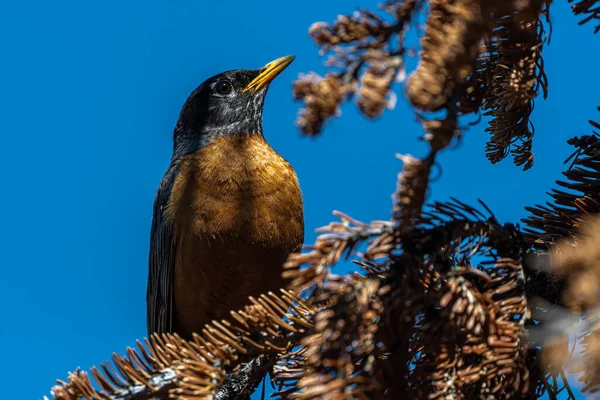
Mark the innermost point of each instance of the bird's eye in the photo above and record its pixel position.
(224, 87)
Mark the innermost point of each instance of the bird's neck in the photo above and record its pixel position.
(187, 142)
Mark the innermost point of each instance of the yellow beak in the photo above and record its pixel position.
(269, 72)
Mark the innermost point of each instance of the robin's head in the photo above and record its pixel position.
(227, 104)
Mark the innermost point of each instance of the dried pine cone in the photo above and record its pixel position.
(580, 262)
(376, 83)
(450, 48)
(322, 97)
(347, 29)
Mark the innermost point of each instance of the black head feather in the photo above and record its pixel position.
(220, 107)
(227, 104)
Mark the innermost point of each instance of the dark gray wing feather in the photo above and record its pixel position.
(159, 295)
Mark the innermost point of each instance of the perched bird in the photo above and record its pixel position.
(228, 210)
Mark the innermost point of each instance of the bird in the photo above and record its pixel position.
(228, 210)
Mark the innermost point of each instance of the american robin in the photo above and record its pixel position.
(228, 211)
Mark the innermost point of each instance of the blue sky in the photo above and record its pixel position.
(90, 95)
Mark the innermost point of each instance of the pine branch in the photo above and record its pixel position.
(197, 368)
(340, 355)
(559, 219)
(337, 240)
(241, 384)
(511, 73)
(367, 55)
(589, 8)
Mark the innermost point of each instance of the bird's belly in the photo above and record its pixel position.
(237, 212)
(216, 272)
(219, 276)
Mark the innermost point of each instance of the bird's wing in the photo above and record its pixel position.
(159, 295)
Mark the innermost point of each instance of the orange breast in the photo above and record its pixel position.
(237, 212)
